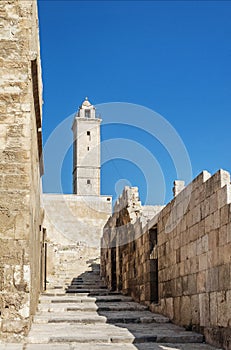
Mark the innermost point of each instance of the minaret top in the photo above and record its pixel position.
(86, 110)
(86, 104)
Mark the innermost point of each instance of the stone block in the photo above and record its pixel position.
(204, 310)
(189, 218)
(183, 253)
(202, 245)
(213, 203)
(185, 290)
(222, 235)
(213, 239)
(223, 317)
(225, 252)
(181, 268)
(187, 267)
(224, 195)
(14, 326)
(205, 208)
(185, 311)
(212, 279)
(178, 187)
(196, 215)
(177, 310)
(195, 309)
(213, 257)
(225, 215)
(200, 227)
(183, 225)
(167, 289)
(228, 232)
(169, 308)
(228, 301)
(203, 262)
(192, 284)
(178, 286)
(194, 264)
(11, 182)
(201, 282)
(209, 226)
(180, 212)
(218, 180)
(7, 224)
(193, 233)
(201, 179)
(221, 256)
(213, 309)
(22, 225)
(216, 219)
(218, 336)
(224, 275)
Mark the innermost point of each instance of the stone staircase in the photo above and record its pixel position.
(86, 316)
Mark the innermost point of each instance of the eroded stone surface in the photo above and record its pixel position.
(20, 150)
(178, 262)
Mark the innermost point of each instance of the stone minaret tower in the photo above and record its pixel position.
(86, 151)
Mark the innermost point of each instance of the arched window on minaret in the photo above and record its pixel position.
(87, 113)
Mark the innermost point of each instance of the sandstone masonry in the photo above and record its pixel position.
(74, 225)
(20, 166)
(177, 261)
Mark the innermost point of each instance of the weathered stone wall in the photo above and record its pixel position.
(189, 242)
(20, 150)
(126, 247)
(194, 255)
(74, 225)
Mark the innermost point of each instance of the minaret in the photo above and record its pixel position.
(86, 151)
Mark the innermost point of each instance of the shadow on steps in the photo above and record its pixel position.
(131, 323)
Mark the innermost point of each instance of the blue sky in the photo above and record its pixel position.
(172, 57)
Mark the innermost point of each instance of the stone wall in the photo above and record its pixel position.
(126, 247)
(186, 249)
(20, 152)
(74, 225)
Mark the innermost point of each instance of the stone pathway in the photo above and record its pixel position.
(86, 316)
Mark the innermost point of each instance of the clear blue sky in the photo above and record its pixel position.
(170, 56)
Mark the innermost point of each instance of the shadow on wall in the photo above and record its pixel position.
(130, 323)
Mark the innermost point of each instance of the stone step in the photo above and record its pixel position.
(90, 291)
(112, 317)
(129, 339)
(70, 298)
(87, 283)
(85, 286)
(107, 333)
(72, 274)
(87, 280)
(89, 339)
(52, 293)
(111, 346)
(87, 316)
(91, 306)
